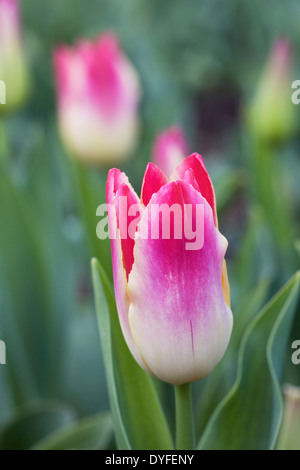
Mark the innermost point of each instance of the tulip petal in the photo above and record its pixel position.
(115, 180)
(189, 177)
(104, 86)
(129, 211)
(195, 163)
(177, 314)
(153, 180)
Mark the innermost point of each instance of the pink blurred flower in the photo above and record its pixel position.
(173, 302)
(170, 149)
(98, 94)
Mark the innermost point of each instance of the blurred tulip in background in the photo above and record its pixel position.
(13, 68)
(98, 94)
(170, 149)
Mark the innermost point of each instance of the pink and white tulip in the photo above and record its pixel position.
(173, 303)
(13, 67)
(170, 149)
(98, 96)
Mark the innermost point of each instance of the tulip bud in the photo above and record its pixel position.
(98, 95)
(169, 150)
(13, 70)
(289, 436)
(171, 286)
(271, 114)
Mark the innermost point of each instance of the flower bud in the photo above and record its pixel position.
(272, 113)
(289, 436)
(172, 291)
(13, 69)
(98, 95)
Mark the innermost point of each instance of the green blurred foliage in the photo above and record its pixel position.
(199, 63)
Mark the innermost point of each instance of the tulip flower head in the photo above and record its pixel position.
(173, 301)
(13, 69)
(170, 149)
(98, 96)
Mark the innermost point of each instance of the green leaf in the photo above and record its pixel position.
(226, 185)
(93, 432)
(34, 422)
(255, 259)
(247, 309)
(249, 416)
(31, 304)
(137, 414)
(80, 383)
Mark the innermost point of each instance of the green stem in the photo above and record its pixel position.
(184, 417)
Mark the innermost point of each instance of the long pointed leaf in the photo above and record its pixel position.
(93, 432)
(249, 416)
(137, 414)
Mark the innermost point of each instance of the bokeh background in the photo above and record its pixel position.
(200, 64)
